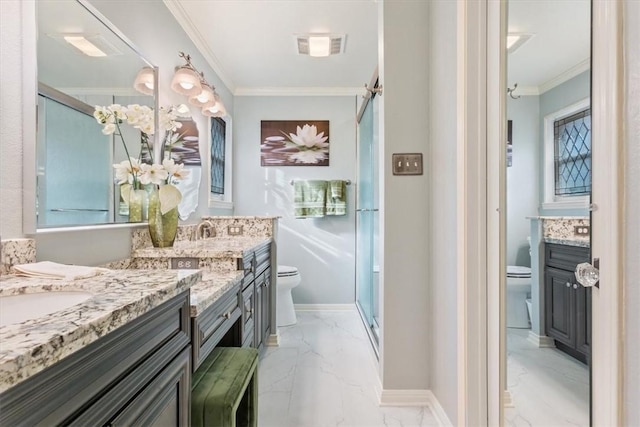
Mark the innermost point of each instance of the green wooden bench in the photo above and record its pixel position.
(224, 389)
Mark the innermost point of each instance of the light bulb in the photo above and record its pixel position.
(186, 85)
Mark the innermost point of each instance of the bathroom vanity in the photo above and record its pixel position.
(233, 303)
(567, 303)
(122, 357)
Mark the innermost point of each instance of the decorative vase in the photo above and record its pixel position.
(162, 228)
(138, 200)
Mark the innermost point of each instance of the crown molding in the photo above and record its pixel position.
(117, 91)
(566, 76)
(176, 9)
(299, 91)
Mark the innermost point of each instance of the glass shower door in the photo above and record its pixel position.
(367, 219)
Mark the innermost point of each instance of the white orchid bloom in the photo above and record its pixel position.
(175, 170)
(308, 137)
(109, 128)
(118, 111)
(152, 174)
(126, 169)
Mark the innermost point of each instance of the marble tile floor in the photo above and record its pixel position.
(548, 387)
(324, 373)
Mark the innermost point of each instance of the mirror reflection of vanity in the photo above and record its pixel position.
(75, 183)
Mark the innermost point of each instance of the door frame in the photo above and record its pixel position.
(481, 139)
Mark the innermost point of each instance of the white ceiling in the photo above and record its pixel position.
(560, 47)
(250, 43)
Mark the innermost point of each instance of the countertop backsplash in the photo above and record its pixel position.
(15, 252)
(562, 230)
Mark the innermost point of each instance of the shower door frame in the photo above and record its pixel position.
(374, 336)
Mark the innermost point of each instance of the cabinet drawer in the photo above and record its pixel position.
(210, 326)
(565, 257)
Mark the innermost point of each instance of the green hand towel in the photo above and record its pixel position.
(337, 198)
(309, 198)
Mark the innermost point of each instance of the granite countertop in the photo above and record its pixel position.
(211, 287)
(215, 247)
(120, 296)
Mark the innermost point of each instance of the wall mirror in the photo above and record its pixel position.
(82, 61)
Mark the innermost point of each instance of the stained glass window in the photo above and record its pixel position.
(218, 133)
(572, 141)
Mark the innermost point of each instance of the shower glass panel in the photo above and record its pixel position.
(367, 220)
(71, 159)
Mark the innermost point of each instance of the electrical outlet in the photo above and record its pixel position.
(407, 163)
(581, 230)
(234, 230)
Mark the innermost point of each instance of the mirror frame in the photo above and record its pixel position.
(30, 119)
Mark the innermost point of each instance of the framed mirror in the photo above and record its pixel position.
(83, 61)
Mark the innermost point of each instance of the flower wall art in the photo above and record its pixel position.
(294, 143)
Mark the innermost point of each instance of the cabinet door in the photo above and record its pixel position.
(248, 315)
(265, 306)
(560, 305)
(165, 401)
(583, 320)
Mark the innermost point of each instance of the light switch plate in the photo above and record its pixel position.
(234, 230)
(187, 263)
(407, 163)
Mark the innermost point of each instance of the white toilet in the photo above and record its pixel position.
(518, 288)
(288, 278)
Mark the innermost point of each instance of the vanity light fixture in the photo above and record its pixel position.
(206, 97)
(215, 110)
(145, 81)
(320, 45)
(190, 82)
(186, 80)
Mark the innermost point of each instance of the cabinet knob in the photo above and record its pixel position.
(227, 315)
(575, 286)
(568, 285)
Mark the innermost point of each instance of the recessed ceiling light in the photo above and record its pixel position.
(516, 40)
(320, 45)
(93, 45)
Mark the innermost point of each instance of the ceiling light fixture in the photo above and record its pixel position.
(516, 40)
(320, 45)
(145, 81)
(190, 82)
(84, 46)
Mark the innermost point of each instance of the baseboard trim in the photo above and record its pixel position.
(424, 398)
(273, 340)
(540, 341)
(324, 307)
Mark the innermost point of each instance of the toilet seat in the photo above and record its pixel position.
(287, 271)
(517, 271)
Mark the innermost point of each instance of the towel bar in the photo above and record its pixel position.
(348, 182)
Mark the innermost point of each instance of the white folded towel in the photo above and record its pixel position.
(53, 270)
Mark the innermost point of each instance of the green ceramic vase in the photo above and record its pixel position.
(162, 228)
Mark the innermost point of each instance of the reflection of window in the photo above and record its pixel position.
(218, 137)
(572, 143)
(567, 157)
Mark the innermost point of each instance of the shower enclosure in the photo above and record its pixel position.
(367, 264)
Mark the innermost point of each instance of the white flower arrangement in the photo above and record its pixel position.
(133, 173)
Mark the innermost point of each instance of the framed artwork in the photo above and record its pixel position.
(294, 143)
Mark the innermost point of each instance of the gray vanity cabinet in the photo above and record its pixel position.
(139, 374)
(256, 296)
(567, 303)
(263, 303)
